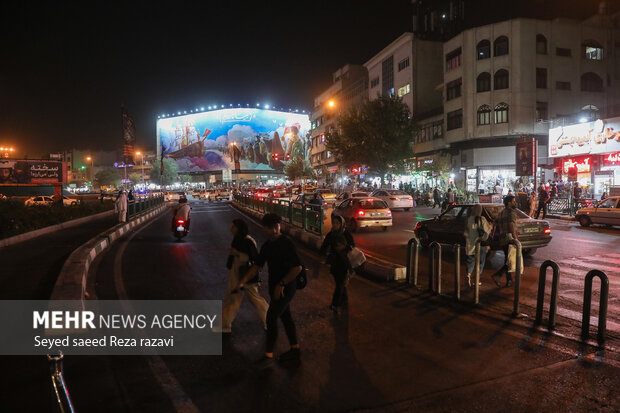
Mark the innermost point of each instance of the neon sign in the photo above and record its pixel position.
(582, 167)
(612, 159)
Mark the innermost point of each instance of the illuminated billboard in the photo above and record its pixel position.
(29, 172)
(600, 137)
(243, 139)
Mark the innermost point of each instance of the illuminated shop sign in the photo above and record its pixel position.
(598, 137)
(612, 159)
(582, 167)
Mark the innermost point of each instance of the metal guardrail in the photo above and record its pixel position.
(457, 272)
(416, 258)
(59, 385)
(518, 270)
(477, 246)
(435, 274)
(587, 303)
(540, 301)
(139, 205)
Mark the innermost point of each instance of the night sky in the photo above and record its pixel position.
(67, 68)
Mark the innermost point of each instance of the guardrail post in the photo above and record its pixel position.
(435, 267)
(416, 256)
(540, 301)
(59, 385)
(457, 272)
(518, 269)
(477, 272)
(303, 217)
(602, 310)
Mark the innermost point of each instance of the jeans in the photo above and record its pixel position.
(542, 207)
(504, 268)
(471, 261)
(340, 292)
(281, 309)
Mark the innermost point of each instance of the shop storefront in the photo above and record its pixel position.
(588, 153)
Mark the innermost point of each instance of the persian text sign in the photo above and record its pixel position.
(32, 172)
(110, 327)
(598, 137)
(612, 159)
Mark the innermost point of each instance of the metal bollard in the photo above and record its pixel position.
(518, 269)
(540, 302)
(587, 302)
(59, 385)
(477, 272)
(435, 281)
(457, 272)
(416, 256)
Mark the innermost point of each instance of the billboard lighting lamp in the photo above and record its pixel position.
(258, 104)
(266, 106)
(583, 120)
(202, 108)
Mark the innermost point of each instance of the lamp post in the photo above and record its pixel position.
(6, 151)
(141, 165)
(92, 176)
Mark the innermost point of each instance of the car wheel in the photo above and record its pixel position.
(352, 225)
(424, 237)
(74, 203)
(407, 209)
(585, 221)
(528, 252)
(384, 228)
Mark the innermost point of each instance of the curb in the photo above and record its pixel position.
(26, 236)
(375, 268)
(73, 278)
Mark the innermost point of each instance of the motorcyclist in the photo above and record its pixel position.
(181, 211)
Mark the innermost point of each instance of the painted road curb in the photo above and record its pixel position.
(73, 278)
(375, 267)
(52, 228)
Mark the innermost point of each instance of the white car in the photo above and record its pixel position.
(606, 212)
(39, 200)
(394, 198)
(222, 194)
(174, 196)
(354, 194)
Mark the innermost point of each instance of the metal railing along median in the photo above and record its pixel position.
(142, 204)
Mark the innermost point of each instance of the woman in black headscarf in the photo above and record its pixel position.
(336, 245)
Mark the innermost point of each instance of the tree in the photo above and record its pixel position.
(379, 135)
(135, 177)
(108, 177)
(298, 168)
(171, 172)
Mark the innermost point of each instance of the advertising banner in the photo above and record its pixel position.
(600, 137)
(236, 139)
(525, 156)
(27, 172)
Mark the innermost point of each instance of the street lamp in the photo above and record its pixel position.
(92, 176)
(331, 103)
(141, 166)
(6, 151)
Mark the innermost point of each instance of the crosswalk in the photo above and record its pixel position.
(206, 207)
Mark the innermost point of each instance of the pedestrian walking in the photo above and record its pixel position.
(280, 255)
(130, 196)
(337, 244)
(101, 196)
(451, 196)
(436, 200)
(120, 206)
(507, 224)
(543, 200)
(478, 228)
(242, 255)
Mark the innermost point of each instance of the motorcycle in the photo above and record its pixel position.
(180, 229)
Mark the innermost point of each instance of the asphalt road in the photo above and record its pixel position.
(394, 348)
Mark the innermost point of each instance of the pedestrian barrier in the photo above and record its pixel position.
(435, 275)
(412, 268)
(540, 302)
(477, 271)
(587, 302)
(137, 206)
(59, 385)
(457, 272)
(518, 270)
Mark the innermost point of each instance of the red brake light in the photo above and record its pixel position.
(389, 212)
(547, 230)
(361, 212)
(392, 199)
(180, 221)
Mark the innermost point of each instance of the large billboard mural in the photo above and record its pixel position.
(237, 139)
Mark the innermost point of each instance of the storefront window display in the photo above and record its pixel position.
(488, 179)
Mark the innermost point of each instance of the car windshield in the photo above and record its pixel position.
(325, 191)
(359, 194)
(370, 204)
(495, 210)
(396, 192)
(452, 212)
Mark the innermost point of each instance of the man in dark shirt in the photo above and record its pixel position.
(280, 255)
(543, 200)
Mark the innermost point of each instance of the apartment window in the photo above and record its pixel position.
(593, 50)
(562, 85)
(484, 115)
(500, 46)
(541, 44)
(402, 91)
(483, 50)
(483, 82)
(542, 111)
(453, 89)
(590, 112)
(561, 51)
(501, 113)
(455, 119)
(403, 64)
(387, 76)
(591, 82)
(453, 59)
(374, 82)
(500, 80)
(541, 78)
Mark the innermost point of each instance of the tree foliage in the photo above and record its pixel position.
(379, 134)
(171, 172)
(298, 168)
(108, 177)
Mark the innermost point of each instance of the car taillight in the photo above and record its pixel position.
(393, 199)
(389, 212)
(361, 213)
(180, 221)
(417, 226)
(547, 230)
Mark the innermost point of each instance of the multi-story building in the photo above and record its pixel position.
(348, 90)
(82, 165)
(516, 77)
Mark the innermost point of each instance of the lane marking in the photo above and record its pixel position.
(586, 241)
(166, 380)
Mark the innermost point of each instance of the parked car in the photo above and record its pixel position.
(364, 212)
(394, 198)
(606, 212)
(449, 228)
(354, 194)
(66, 201)
(39, 200)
